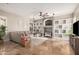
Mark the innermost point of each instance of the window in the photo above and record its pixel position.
(2, 22)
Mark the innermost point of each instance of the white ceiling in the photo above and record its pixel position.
(33, 9)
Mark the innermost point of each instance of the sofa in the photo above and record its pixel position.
(16, 36)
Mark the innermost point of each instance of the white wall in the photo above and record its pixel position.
(76, 14)
(15, 22)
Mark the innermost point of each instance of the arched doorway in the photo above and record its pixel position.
(48, 23)
(48, 28)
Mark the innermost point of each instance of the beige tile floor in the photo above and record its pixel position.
(47, 48)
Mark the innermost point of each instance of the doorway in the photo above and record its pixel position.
(48, 28)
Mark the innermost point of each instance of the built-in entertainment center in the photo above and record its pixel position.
(74, 39)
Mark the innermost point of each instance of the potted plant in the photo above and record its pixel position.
(2, 32)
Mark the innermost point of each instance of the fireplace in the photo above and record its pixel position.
(48, 32)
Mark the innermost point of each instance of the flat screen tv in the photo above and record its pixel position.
(76, 28)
